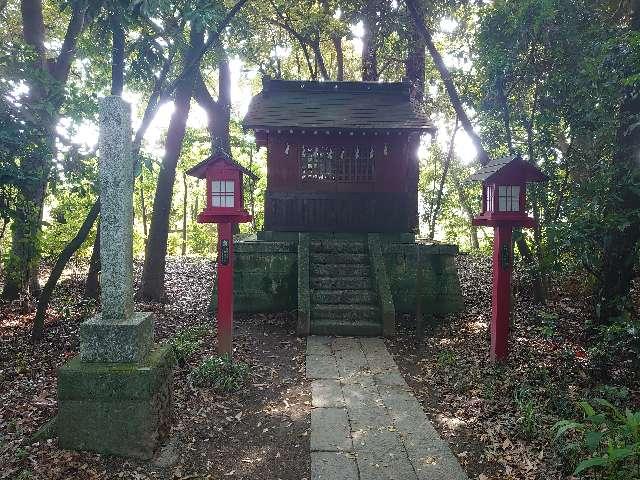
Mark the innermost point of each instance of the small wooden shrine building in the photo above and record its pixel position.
(342, 156)
(341, 211)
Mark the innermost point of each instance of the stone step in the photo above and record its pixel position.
(340, 283)
(348, 313)
(337, 246)
(342, 297)
(330, 258)
(365, 328)
(339, 270)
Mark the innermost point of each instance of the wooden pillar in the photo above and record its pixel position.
(224, 316)
(501, 295)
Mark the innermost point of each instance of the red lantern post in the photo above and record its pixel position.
(225, 206)
(504, 183)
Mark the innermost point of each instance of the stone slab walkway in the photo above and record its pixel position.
(365, 423)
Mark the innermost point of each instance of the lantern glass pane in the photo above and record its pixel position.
(502, 198)
(216, 185)
(515, 199)
(229, 186)
(216, 201)
(229, 200)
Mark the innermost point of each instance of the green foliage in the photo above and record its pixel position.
(527, 420)
(607, 440)
(221, 374)
(187, 342)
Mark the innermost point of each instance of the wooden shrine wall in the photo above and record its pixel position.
(348, 196)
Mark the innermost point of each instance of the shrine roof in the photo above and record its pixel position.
(335, 105)
(498, 166)
(200, 170)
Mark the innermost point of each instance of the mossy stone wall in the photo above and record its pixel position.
(440, 290)
(265, 277)
(266, 274)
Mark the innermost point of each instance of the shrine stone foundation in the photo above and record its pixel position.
(343, 285)
(115, 397)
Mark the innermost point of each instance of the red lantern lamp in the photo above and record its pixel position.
(504, 193)
(225, 206)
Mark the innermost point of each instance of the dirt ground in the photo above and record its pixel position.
(260, 432)
(498, 418)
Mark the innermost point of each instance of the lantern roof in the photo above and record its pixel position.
(220, 156)
(512, 166)
(335, 105)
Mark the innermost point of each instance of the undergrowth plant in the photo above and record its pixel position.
(187, 342)
(221, 374)
(607, 441)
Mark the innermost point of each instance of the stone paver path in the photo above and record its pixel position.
(366, 424)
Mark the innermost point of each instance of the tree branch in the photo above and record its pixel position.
(421, 27)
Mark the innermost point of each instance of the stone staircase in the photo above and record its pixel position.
(343, 296)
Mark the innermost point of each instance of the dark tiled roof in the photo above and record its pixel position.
(531, 172)
(199, 170)
(335, 105)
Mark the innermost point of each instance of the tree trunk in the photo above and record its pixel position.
(92, 284)
(620, 244)
(421, 27)
(61, 261)
(156, 249)
(184, 214)
(337, 44)
(117, 55)
(443, 179)
(468, 210)
(415, 64)
(369, 65)
(525, 251)
(143, 207)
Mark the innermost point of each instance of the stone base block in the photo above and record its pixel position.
(116, 408)
(125, 341)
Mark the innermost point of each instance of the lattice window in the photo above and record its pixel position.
(489, 198)
(509, 198)
(336, 163)
(222, 193)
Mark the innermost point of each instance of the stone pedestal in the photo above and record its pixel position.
(116, 408)
(127, 340)
(115, 397)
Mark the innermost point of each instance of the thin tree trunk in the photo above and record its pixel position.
(63, 258)
(483, 156)
(369, 65)
(117, 55)
(415, 64)
(184, 214)
(443, 179)
(92, 284)
(468, 210)
(156, 250)
(337, 44)
(143, 207)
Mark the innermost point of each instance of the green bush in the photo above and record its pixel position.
(607, 441)
(187, 342)
(221, 374)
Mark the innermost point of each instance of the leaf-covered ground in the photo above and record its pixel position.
(260, 432)
(498, 419)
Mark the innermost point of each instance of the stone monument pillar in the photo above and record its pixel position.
(115, 397)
